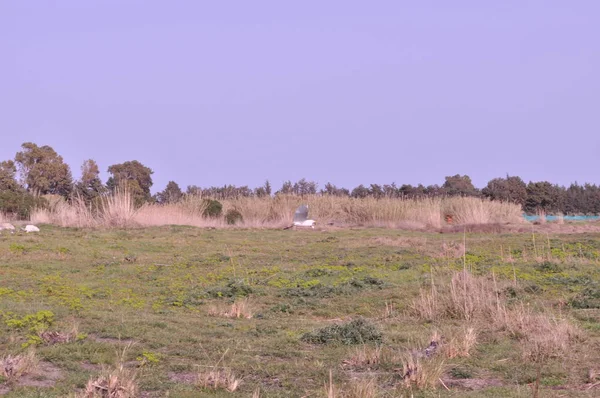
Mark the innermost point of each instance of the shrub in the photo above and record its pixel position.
(587, 298)
(233, 217)
(234, 288)
(212, 208)
(19, 203)
(358, 331)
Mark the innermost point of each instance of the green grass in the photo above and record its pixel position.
(155, 287)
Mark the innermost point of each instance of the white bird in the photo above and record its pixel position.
(301, 218)
(31, 228)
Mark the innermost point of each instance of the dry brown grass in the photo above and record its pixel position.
(421, 373)
(119, 382)
(461, 344)
(239, 309)
(542, 335)
(363, 388)
(218, 379)
(365, 357)
(12, 367)
(117, 210)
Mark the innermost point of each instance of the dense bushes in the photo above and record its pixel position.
(19, 203)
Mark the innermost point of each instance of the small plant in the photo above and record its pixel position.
(12, 367)
(358, 331)
(17, 248)
(233, 217)
(420, 372)
(219, 379)
(548, 267)
(148, 358)
(116, 382)
(587, 298)
(234, 288)
(212, 208)
(119, 382)
(36, 324)
(239, 309)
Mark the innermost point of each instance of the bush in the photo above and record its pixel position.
(233, 217)
(213, 208)
(358, 331)
(234, 288)
(19, 203)
(587, 298)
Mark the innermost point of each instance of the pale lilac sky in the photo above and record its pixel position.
(212, 92)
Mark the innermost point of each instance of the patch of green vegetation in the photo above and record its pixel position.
(233, 288)
(171, 312)
(357, 331)
(587, 298)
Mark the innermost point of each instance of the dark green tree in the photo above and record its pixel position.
(8, 172)
(332, 190)
(360, 192)
(510, 189)
(171, 194)
(133, 176)
(89, 187)
(544, 196)
(458, 185)
(43, 170)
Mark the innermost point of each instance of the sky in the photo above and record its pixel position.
(349, 92)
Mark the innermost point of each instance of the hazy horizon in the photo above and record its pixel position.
(342, 92)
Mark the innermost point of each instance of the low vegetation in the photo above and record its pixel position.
(361, 312)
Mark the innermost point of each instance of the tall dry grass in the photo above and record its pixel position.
(117, 210)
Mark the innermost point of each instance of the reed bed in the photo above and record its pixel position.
(118, 210)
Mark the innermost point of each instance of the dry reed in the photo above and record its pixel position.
(118, 210)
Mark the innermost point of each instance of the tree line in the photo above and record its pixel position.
(36, 171)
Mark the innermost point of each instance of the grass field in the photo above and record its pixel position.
(188, 312)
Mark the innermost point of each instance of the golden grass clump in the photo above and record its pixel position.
(12, 367)
(119, 382)
(421, 373)
(218, 379)
(239, 309)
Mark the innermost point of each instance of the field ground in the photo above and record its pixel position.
(197, 312)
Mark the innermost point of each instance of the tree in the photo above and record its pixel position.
(134, 176)
(409, 191)
(286, 189)
(360, 192)
(376, 191)
(510, 189)
(14, 200)
(458, 185)
(171, 194)
(544, 196)
(8, 171)
(332, 190)
(43, 170)
(303, 187)
(89, 187)
(263, 191)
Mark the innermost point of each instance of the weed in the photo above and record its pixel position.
(357, 331)
(587, 298)
(233, 288)
(12, 367)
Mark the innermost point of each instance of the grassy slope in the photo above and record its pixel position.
(156, 287)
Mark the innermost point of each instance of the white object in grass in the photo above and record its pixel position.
(31, 228)
(301, 218)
